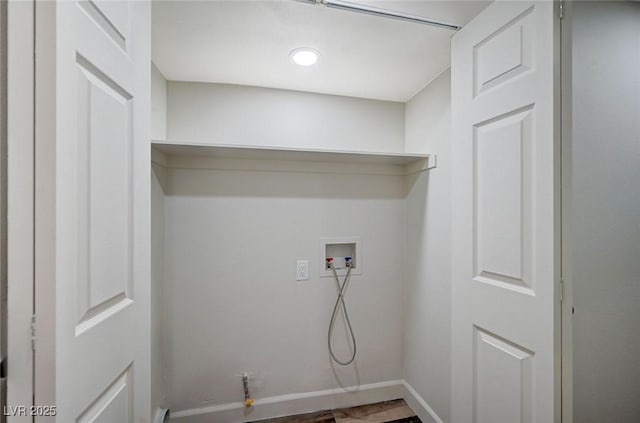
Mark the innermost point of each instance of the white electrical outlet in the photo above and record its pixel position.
(302, 270)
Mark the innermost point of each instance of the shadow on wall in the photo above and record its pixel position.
(230, 183)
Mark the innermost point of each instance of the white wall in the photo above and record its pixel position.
(233, 303)
(428, 115)
(606, 211)
(234, 114)
(158, 104)
(427, 322)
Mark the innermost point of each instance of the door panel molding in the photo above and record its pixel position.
(92, 209)
(506, 208)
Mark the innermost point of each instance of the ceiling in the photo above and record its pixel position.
(248, 43)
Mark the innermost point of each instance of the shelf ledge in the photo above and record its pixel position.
(194, 155)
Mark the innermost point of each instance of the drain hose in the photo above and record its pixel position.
(340, 301)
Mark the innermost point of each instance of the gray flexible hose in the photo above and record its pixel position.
(339, 301)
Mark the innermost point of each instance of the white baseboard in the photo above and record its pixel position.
(419, 405)
(287, 405)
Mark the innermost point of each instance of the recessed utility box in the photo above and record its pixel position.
(338, 248)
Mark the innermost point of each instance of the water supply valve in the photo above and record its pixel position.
(329, 261)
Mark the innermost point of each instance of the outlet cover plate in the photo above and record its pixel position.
(302, 270)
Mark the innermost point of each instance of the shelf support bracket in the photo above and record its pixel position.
(428, 163)
(432, 161)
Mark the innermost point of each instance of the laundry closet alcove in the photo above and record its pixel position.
(246, 181)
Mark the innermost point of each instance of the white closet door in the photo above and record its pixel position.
(506, 216)
(92, 210)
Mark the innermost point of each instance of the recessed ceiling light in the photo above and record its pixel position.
(304, 56)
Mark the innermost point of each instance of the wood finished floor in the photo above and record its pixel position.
(396, 411)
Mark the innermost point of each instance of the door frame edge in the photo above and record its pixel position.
(565, 204)
(20, 202)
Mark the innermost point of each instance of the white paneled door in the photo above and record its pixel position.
(506, 216)
(92, 210)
